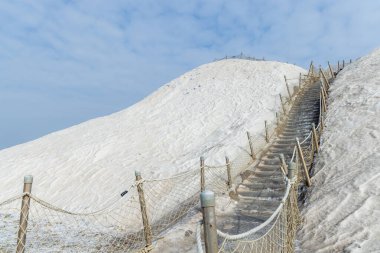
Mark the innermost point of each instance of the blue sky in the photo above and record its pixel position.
(64, 62)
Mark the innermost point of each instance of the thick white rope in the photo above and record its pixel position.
(5, 202)
(264, 224)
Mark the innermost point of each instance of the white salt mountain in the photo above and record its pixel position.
(204, 112)
(343, 208)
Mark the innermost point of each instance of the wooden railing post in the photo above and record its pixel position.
(283, 164)
(229, 178)
(209, 221)
(24, 214)
(202, 164)
(266, 132)
(144, 213)
(292, 171)
(324, 78)
(251, 146)
(338, 67)
(324, 106)
(282, 104)
(331, 71)
(300, 80)
(287, 87)
(315, 137)
(299, 149)
(277, 120)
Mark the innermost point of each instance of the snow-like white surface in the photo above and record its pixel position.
(204, 112)
(343, 209)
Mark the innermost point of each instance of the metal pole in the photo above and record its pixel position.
(209, 221)
(229, 178)
(21, 235)
(315, 137)
(144, 213)
(282, 104)
(203, 183)
(251, 145)
(308, 182)
(266, 132)
(287, 87)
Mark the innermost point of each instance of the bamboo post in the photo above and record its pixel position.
(338, 67)
(266, 132)
(229, 178)
(282, 104)
(251, 145)
(331, 71)
(283, 164)
(203, 182)
(209, 221)
(144, 212)
(25, 204)
(308, 182)
(315, 137)
(287, 87)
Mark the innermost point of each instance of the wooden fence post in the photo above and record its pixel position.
(326, 81)
(251, 146)
(203, 183)
(144, 213)
(300, 81)
(283, 164)
(324, 106)
(209, 221)
(331, 71)
(266, 132)
(315, 137)
(282, 104)
(277, 120)
(287, 87)
(229, 178)
(292, 171)
(308, 182)
(24, 214)
(338, 67)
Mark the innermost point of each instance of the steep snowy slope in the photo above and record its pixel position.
(343, 210)
(204, 112)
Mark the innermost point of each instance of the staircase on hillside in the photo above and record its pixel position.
(263, 185)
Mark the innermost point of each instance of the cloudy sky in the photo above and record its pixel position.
(64, 62)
